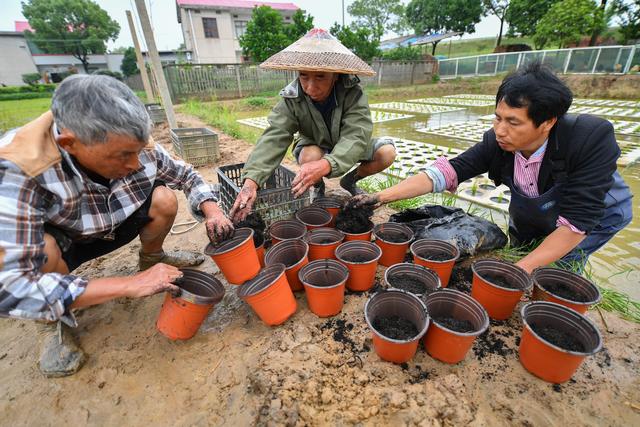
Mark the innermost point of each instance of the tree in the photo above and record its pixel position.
(300, 25)
(77, 27)
(498, 8)
(566, 22)
(358, 39)
(129, 64)
(378, 15)
(403, 53)
(265, 34)
(629, 15)
(523, 15)
(435, 16)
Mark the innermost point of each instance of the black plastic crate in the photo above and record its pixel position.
(198, 146)
(274, 201)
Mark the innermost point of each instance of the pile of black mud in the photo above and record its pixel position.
(255, 222)
(354, 220)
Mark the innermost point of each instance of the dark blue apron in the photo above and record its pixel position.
(534, 218)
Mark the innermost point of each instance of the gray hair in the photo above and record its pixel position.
(92, 106)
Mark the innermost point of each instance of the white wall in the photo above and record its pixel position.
(15, 58)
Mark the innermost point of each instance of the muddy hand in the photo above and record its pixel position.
(362, 200)
(244, 202)
(156, 279)
(309, 174)
(219, 228)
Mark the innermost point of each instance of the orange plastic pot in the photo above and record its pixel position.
(420, 249)
(181, 316)
(286, 229)
(269, 295)
(294, 255)
(259, 245)
(324, 283)
(366, 235)
(445, 344)
(395, 302)
(422, 274)
(545, 360)
(392, 252)
(544, 276)
(361, 258)
(499, 301)
(237, 257)
(313, 217)
(331, 205)
(323, 242)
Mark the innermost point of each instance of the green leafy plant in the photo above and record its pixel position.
(31, 78)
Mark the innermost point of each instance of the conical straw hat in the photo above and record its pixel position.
(318, 51)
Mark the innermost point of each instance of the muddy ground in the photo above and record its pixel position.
(309, 371)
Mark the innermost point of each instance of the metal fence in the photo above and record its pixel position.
(216, 81)
(586, 60)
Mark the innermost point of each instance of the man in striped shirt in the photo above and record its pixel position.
(79, 182)
(561, 170)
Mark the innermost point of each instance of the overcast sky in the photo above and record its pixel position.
(167, 30)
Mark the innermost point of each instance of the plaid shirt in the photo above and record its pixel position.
(66, 198)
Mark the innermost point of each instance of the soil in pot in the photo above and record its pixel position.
(255, 222)
(325, 241)
(499, 280)
(562, 290)
(408, 283)
(395, 327)
(435, 256)
(357, 258)
(558, 338)
(392, 237)
(354, 220)
(457, 325)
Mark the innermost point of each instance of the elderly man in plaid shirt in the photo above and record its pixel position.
(79, 182)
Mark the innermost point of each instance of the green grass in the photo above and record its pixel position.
(480, 46)
(17, 113)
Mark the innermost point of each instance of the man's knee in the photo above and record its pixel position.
(385, 154)
(163, 203)
(54, 263)
(310, 153)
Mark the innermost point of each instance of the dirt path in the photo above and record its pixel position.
(309, 371)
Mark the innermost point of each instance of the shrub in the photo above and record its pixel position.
(257, 101)
(24, 89)
(24, 95)
(31, 78)
(115, 74)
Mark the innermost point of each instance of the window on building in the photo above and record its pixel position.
(240, 28)
(210, 28)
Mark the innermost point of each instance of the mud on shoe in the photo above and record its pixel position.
(348, 182)
(178, 259)
(60, 356)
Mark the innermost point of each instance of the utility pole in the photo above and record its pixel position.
(140, 59)
(155, 62)
(342, 13)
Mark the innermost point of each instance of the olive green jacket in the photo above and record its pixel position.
(346, 143)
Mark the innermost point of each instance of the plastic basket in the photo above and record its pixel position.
(274, 201)
(198, 146)
(156, 113)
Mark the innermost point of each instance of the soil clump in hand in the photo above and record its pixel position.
(454, 324)
(499, 280)
(558, 338)
(565, 291)
(254, 221)
(354, 220)
(407, 283)
(395, 327)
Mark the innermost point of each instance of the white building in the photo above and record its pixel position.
(211, 27)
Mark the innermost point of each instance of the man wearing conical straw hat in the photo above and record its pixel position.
(328, 110)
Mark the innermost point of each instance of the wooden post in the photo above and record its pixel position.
(237, 68)
(155, 62)
(140, 59)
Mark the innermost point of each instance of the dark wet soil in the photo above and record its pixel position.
(558, 338)
(354, 220)
(457, 325)
(340, 330)
(564, 290)
(324, 241)
(407, 283)
(255, 222)
(461, 277)
(289, 262)
(499, 280)
(392, 237)
(435, 256)
(356, 258)
(395, 327)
